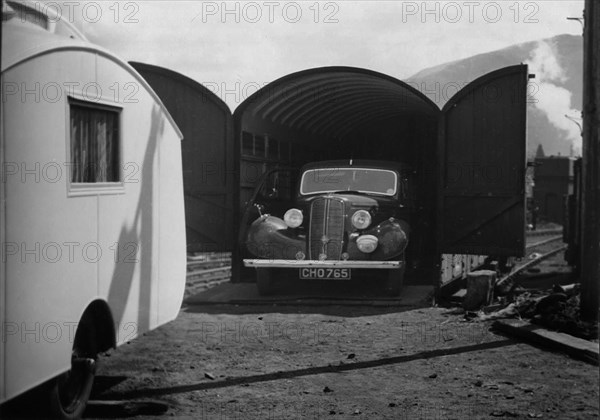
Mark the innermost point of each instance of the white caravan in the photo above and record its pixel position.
(92, 228)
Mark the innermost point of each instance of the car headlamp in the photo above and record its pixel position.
(366, 243)
(361, 219)
(293, 218)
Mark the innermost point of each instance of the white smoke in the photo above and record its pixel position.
(554, 101)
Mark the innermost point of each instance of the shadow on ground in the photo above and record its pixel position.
(349, 299)
(316, 370)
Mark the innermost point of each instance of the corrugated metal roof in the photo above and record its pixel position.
(333, 101)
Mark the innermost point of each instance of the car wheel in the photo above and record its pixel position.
(393, 282)
(264, 281)
(69, 392)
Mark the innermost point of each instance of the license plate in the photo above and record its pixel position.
(325, 273)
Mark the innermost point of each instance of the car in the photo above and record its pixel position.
(335, 220)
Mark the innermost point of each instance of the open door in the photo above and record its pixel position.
(208, 157)
(274, 194)
(481, 207)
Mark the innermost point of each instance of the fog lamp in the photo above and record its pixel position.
(293, 218)
(361, 219)
(366, 243)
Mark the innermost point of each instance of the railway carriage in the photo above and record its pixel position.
(467, 161)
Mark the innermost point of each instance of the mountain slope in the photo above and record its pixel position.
(556, 90)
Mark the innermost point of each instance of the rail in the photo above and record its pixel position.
(543, 244)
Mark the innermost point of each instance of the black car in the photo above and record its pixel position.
(342, 220)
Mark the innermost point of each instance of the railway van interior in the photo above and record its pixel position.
(335, 113)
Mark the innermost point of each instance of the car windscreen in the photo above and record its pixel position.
(364, 180)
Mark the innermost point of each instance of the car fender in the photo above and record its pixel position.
(269, 237)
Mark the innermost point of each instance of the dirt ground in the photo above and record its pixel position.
(336, 361)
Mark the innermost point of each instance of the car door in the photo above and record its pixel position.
(274, 195)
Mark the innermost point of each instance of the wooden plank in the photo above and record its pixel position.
(575, 347)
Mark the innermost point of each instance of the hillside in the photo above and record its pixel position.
(556, 90)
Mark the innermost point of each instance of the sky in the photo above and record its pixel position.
(235, 47)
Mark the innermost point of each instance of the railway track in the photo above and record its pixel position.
(537, 250)
(540, 245)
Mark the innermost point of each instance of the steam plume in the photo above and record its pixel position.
(553, 100)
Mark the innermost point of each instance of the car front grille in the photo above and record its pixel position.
(326, 229)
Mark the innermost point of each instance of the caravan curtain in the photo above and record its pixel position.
(94, 145)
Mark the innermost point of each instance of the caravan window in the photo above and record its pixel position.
(95, 149)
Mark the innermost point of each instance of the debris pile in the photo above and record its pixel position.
(556, 309)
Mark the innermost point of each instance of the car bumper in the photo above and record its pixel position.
(258, 263)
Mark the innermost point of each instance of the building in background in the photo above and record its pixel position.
(553, 182)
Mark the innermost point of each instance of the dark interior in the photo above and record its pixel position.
(343, 113)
